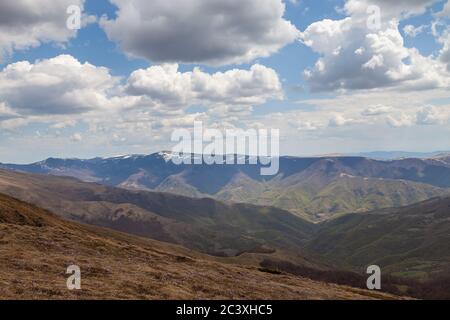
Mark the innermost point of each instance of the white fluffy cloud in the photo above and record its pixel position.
(376, 110)
(76, 137)
(200, 31)
(389, 9)
(431, 115)
(400, 120)
(354, 55)
(67, 95)
(445, 13)
(444, 54)
(441, 32)
(166, 85)
(61, 85)
(26, 23)
(424, 116)
(413, 31)
(339, 120)
(6, 112)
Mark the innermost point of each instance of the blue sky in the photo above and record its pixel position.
(134, 73)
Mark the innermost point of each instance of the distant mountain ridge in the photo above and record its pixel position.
(313, 188)
(395, 155)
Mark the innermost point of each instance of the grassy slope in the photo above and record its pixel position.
(411, 242)
(36, 247)
(321, 201)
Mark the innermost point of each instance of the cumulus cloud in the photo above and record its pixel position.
(60, 85)
(13, 123)
(430, 115)
(400, 120)
(25, 24)
(370, 58)
(445, 13)
(166, 85)
(389, 9)
(441, 31)
(200, 31)
(6, 112)
(76, 137)
(339, 120)
(66, 95)
(424, 116)
(308, 126)
(376, 110)
(64, 124)
(444, 54)
(413, 31)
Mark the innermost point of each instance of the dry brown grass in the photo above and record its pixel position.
(36, 247)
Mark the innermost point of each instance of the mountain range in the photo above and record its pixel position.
(316, 189)
(396, 155)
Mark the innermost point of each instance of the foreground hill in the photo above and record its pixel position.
(36, 247)
(313, 188)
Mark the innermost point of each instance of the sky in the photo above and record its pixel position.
(334, 76)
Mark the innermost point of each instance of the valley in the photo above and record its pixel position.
(316, 189)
